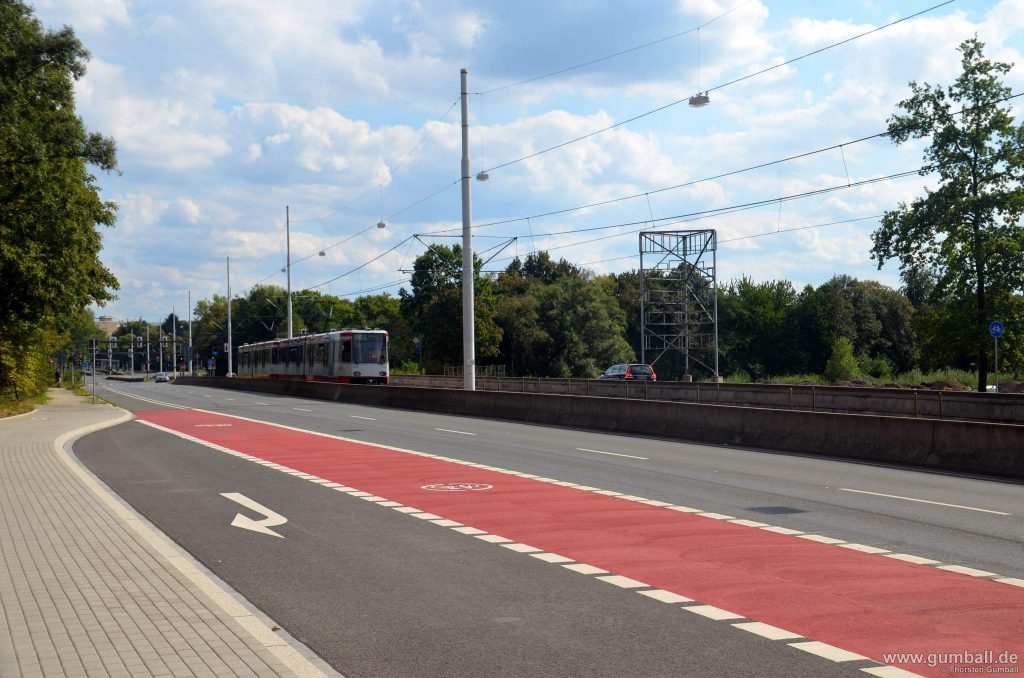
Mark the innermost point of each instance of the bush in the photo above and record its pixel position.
(842, 365)
(879, 367)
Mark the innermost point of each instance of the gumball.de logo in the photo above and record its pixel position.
(457, 487)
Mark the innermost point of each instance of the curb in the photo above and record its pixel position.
(295, 656)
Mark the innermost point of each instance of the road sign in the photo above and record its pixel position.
(225, 346)
(996, 329)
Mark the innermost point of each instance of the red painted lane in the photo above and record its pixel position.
(860, 602)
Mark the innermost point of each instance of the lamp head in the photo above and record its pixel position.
(699, 100)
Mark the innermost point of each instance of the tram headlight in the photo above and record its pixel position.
(383, 373)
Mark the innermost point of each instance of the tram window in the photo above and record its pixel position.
(274, 353)
(346, 351)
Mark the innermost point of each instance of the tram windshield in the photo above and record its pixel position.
(370, 348)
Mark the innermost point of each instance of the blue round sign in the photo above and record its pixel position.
(996, 329)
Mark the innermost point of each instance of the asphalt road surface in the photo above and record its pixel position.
(412, 562)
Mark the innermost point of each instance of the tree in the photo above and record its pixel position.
(967, 230)
(842, 365)
(49, 201)
(434, 307)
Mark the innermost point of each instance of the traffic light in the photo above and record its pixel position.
(92, 344)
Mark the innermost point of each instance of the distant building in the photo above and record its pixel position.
(108, 324)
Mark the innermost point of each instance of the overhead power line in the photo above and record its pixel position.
(716, 87)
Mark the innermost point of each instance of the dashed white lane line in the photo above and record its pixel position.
(520, 548)
(1012, 581)
(918, 560)
(926, 501)
(583, 568)
(969, 571)
(301, 409)
(767, 631)
(623, 582)
(864, 548)
(827, 651)
(716, 516)
(665, 596)
(259, 403)
(820, 538)
(712, 612)
(448, 430)
(890, 672)
(356, 416)
(781, 530)
(613, 454)
(709, 611)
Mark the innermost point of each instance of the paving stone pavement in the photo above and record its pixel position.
(88, 588)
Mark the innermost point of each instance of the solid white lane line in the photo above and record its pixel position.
(827, 651)
(926, 501)
(767, 631)
(448, 430)
(356, 416)
(301, 409)
(614, 454)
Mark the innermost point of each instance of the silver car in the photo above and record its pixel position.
(161, 377)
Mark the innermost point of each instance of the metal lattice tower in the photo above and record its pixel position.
(678, 297)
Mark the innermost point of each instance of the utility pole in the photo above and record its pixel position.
(174, 343)
(190, 333)
(148, 350)
(230, 362)
(468, 329)
(288, 253)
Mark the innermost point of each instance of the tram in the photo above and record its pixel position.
(348, 356)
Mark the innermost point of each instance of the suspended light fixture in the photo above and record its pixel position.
(698, 99)
(322, 253)
(381, 224)
(483, 176)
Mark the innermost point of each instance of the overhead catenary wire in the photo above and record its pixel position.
(617, 54)
(715, 88)
(723, 175)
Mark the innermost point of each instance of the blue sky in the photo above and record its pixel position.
(225, 111)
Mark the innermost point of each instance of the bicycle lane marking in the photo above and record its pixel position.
(857, 601)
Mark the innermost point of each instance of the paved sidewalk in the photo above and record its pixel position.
(89, 588)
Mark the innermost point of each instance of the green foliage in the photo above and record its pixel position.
(842, 364)
(49, 200)
(967, 231)
(877, 367)
(433, 308)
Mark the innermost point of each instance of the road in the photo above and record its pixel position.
(739, 538)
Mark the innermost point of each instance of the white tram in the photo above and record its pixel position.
(349, 356)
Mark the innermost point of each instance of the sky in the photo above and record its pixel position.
(227, 111)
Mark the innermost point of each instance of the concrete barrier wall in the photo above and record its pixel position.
(960, 446)
(992, 407)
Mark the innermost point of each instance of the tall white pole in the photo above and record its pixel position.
(231, 366)
(190, 333)
(174, 343)
(148, 353)
(468, 338)
(288, 252)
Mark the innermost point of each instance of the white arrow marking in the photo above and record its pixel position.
(270, 520)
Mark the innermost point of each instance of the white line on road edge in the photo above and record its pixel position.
(301, 409)
(448, 430)
(356, 416)
(925, 501)
(614, 454)
(279, 643)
